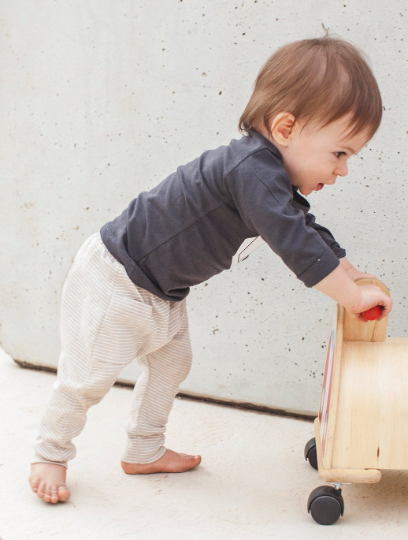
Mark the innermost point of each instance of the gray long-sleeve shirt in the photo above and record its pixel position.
(188, 228)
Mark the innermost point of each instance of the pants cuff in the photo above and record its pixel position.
(39, 459)
(141, 458)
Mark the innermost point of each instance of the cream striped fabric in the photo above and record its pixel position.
(106, 322)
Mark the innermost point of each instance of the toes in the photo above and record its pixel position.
(34, 484)
(41, 489)
(54, 494)
(191, 461)
(187, 457)
(47, 495)
(63, 493)
(197, 459)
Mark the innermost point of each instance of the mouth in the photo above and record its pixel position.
(319, 187)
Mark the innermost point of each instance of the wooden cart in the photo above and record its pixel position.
(363, 415)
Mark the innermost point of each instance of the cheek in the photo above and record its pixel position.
(310, 167)
(298, 160)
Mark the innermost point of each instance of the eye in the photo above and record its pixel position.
(338, 154)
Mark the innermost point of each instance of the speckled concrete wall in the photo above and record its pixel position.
(101, 100)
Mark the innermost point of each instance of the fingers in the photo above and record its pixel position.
(386, 309)
(374, 296)
(358, 317)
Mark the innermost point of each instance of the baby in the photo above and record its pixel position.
(315, 104)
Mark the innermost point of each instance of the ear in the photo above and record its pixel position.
(282, 127)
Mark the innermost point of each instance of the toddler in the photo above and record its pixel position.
(315, 103)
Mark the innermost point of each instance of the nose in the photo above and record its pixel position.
(341, 169)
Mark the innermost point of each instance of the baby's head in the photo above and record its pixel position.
(318, 102)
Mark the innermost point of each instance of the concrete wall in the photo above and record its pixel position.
(103, 99)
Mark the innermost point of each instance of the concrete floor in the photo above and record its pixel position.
(253, 481)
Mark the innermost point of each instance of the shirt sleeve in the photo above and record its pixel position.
(326, 236)
(261, 190)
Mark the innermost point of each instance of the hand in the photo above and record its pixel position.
(371, 296)
(355, 298)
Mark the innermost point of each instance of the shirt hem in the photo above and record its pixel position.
(320, 269)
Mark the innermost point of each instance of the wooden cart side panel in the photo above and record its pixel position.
(325, 397)
(356, 476)
(331, 422)
(324, 408)
(372, 412)
(355, 330)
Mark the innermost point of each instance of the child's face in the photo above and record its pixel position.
(314, 159)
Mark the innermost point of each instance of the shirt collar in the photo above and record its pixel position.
(265, 142)
(298, 197)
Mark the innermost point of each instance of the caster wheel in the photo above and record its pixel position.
(326, 505)
(311, 453)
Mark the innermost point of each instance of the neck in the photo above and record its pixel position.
(260, 128)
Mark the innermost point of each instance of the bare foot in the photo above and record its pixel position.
(170, 462)
(48, 481)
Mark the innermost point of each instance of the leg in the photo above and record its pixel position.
(102, 326)
(153, 399)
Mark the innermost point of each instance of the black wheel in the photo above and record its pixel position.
(311, 453)
(326, 505)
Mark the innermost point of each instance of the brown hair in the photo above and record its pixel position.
(319, 80)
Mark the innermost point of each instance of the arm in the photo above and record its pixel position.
(340, 286)
(353, 272)
(356, 299)
(340, 253)
(326, 236)
(262, 194)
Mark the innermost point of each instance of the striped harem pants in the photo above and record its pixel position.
(106, 322)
